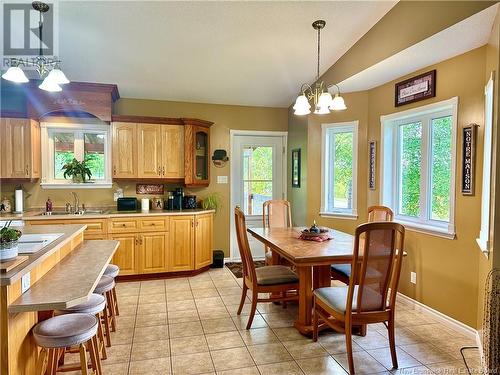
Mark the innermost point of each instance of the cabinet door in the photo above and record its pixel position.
(149, 151)
(181, 255)
(125, 256)
(17, 148)
(124, 150)
(172, 137)
(36, 154)
(197, 151)
(203, 242)
(153, 252)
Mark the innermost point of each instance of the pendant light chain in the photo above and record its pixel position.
(319, 44)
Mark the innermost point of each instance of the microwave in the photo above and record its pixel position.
(127, 204)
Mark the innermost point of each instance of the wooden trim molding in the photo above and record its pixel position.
(161, 275)
(161, 120)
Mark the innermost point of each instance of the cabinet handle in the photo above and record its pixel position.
(159, 171)
(192, 223)
(27, 170)
(136, 241)
(114, 170)
(163, 170)
(141, 237)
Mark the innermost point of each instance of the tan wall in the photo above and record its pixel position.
(225, 118)
(447, 270)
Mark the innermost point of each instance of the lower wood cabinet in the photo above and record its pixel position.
(126, 255)
(203, 241)
(153, 252)
(181, 254)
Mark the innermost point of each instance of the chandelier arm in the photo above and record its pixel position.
(332, 85)
(307, 86)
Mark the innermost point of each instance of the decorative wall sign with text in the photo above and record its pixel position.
(156, 189)
(416, 88)
(296, 168)
(469, 134)
(372, 162)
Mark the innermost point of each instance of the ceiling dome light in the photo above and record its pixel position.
(15, 74)
(302, 106)
(56, 75)
(338, 103)
(50, 85)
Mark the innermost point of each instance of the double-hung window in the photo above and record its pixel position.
(63, 142)
(339, 169)
(418, 166)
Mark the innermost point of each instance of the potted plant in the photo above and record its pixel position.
(8, 243)
(77, 170)
(212, 202)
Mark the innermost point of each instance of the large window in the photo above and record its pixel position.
(339, 169)
(418, 166)
(63, 142)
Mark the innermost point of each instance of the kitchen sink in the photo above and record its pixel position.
(82, 213)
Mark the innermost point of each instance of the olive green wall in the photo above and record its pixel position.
(447, 270)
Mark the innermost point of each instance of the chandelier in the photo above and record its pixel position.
(46, 67)
(322, 99)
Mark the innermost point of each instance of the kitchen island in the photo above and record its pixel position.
(62, 274)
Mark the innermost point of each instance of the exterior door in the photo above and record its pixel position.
(257, 175)
(153, 252)
(203, 242)
(149, 151)
(181, 251)
(125, 255)
(124, 150)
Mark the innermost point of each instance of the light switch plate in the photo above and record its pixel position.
(413, 277)
(25, 282)
(222, 179)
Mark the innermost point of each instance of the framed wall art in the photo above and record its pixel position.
(416, 88)
(296, 168)
(469, 138)
(372, 162)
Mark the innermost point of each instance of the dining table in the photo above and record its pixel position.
(312, 260)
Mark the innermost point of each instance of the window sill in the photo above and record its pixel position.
(100, 185)
(340, 215)
(483, 246)
(427, 229)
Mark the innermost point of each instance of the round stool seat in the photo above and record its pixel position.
(112, 270)
(65, 330)
(93, 306)
(105, 285)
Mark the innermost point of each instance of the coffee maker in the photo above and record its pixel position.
(178, 196)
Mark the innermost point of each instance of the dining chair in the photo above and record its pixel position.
(373, 299)
(342, 272)
(280, 282)
(276, 213)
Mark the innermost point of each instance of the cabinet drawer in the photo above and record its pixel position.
(93, 226)
(154, 224)
(123, 225)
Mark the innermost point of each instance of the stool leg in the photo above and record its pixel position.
(95, 344)
(83, 359)
(106, 327)
(110, 304)
(52, 362)
(100, 334)
(117, 312)
(94, 355)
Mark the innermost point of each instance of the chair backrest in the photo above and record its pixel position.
(243, 246)
(276, 213)
(379, 266)
(379, 213)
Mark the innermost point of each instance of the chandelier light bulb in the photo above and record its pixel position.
(15, 74)
(338, 103)
(302, 106)
(49, 85)
(56, 75)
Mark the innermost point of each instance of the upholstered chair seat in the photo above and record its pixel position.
(105, 285)
(275, 275)
(65, 330)
(112, 270)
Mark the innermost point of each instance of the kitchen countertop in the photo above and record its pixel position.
(37, 214)
(69, 232)
(68, 283)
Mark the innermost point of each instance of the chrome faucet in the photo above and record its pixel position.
(76, 203)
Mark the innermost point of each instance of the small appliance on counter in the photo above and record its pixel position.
(178, 195)
(169, 202)
(189, 202)
(127, 204)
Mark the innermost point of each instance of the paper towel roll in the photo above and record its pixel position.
(19, 200)
(145, 204)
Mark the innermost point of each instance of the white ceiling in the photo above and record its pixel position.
(245, 53)
(473, 32)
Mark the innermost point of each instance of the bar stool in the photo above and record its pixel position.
(94, 306)
(104, 287)
(112, 270)
(59, 332)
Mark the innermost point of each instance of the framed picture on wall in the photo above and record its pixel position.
(469, 158)
(372, 161)
(296, 168)
(416, 88)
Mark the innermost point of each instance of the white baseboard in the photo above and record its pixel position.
(445, 319)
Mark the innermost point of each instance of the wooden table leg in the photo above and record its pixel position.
(321, 276)
(304, 323)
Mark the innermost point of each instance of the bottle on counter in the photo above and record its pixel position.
(48, 206)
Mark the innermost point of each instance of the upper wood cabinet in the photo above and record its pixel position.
(20, 148)
(149, 163)
(124, 150)
(172, 151)
(197, 155)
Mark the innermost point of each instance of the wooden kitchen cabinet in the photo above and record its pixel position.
(197, 155)
(124, 150)
(149, 146)
(20, 148)
(126, 255)
(153, 252)
(181, 254)
(172, 137)
(203, 240)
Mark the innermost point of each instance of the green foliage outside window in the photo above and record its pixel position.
(342, 170)
(441, 168)
(411, 158)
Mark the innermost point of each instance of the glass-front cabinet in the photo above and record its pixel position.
(197, 154)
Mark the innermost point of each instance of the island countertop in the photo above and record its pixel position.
(69, 232)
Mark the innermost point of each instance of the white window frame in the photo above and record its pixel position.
(484, 233)
(47, 145)
(338, 127)
(390, 148)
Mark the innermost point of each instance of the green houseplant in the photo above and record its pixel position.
(212, 202)
(8, 243)
(77, 170)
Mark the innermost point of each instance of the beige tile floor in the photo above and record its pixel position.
(190, 326)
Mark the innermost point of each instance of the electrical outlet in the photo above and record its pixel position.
(222, 179)
(413, 277)
(25, 282)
